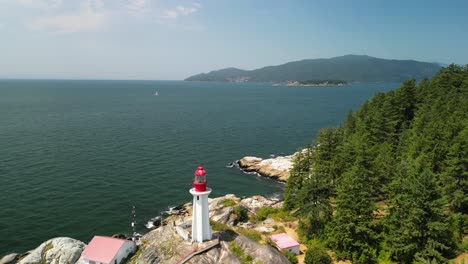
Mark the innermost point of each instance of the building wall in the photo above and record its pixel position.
(201, 229)
(127, 248)
(294, 250)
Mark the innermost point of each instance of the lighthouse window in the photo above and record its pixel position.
(198, 197)
(200, 179)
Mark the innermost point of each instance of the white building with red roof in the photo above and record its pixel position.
(107, 250)
(284, 242)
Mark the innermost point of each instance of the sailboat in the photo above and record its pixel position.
(156, 93)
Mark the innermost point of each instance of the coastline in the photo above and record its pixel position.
(276, 168)
(175, 227)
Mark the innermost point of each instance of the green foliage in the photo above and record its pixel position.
(302, 164)
(242, 213)
(283, 216)
(416, 225)
(239, 253)
(351, 233)
(228, 202)
(316, 255)
(218, 226)
(279, 229)
(251, 233)
(291, 256)
(275, 213)
(135, 256)
(264, 212)
(407, 148)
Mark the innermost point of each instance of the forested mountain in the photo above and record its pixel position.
(351, 68)
(390, 183)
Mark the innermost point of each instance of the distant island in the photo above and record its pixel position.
(348, 68)
(318, 83)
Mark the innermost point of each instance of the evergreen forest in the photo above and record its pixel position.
(389, 184)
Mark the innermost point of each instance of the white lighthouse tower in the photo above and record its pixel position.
(201, 229)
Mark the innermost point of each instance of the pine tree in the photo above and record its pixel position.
(351, 233)
(301, 169)
(416, 227)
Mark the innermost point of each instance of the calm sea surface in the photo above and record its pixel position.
(76, 155)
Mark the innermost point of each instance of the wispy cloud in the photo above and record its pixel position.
(181, 10)
(60, 16)
(138, 5)
(43, 4)
(88, 17)
(70, 23)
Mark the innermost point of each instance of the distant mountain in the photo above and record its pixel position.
(351, 68)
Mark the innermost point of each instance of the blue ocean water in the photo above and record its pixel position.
(76, 155)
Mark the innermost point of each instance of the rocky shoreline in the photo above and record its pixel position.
(65, 250)
(276, 168)
(169, 243)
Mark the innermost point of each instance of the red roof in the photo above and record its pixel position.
(284, 241)
(103, 249)
(200, 171)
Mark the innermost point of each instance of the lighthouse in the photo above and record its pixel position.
(201, 229)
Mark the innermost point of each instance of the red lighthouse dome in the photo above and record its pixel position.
(200, 179)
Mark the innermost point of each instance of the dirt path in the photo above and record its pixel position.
(462, 258)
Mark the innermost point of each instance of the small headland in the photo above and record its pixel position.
(276, 168)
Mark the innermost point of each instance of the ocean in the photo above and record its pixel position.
(76, 155)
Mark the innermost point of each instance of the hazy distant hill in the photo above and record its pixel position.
(352, 68)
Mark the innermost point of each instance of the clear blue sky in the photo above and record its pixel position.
(163, 39)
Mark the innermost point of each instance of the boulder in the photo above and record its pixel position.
(10, 258)
(260, 253)
(264, 229)
(60, 250)
(162, 245)
(216, 255)
(276, 168)
(224, 215)
(256, 202)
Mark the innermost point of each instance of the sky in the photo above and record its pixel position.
(171, 40)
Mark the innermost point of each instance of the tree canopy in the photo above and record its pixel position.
(390, 182)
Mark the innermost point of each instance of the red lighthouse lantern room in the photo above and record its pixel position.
(200, 179)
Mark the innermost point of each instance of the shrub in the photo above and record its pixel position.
(239, 253)
(279, 229)
(317, 255)
(291, 256)
(228, 202)
(242, 213)
(217, 226)
(251, 233)
(284, 216)
(264, 212)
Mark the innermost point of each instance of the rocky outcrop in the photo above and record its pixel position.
(10, 258)
(260, 253)
(163, 245)
(257, 201)
(276, 168)
(60, 250)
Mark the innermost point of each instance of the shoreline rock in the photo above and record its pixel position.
(275, 168)
(59, 250)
